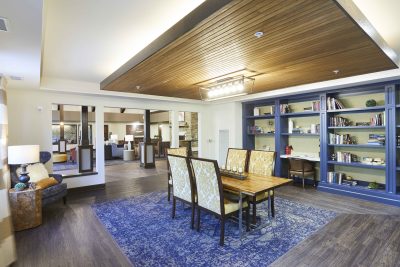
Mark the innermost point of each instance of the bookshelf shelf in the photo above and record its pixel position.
(357, 145)
(359, 165)
(260, 117)
(296, 134)
(262, 134)
(358, 110)
(356, 127)
(300, 114)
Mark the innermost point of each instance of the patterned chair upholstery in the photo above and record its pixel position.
(237, 158)
(183, 183)
(180, 151)
(210, 195)
(262, 163)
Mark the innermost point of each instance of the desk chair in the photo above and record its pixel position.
(181, 151)
(302, 168)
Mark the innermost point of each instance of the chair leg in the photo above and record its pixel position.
(198, 219)
(173, 207)
(273, 205)
(192, 221)
(169, 192)
(254, 211)
(303, 182)
(315, 179)
(65, 200)
(248, 218)
(222, 236)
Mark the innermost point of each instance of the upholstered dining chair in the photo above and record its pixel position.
(210, 195)
(182, 180)
(302, 168)
(237, 158)
(262, 163)
(180, 151)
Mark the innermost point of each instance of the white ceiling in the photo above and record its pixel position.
(87, 40)
(20, 48)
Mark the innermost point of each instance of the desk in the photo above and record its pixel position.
(299, 156)
(253, 185)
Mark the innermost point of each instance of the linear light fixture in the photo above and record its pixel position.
(229, 87)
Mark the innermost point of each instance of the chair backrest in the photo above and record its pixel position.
(237, 158)
(45, 156)
(182, 180)
(262, 162)
(181, 151)
(208, 185)
(300, 165)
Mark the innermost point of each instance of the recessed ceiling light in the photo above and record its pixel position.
(258, 34)
(336, 72)
(137, 87)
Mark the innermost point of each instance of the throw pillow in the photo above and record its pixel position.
(46, 182)
(36, 171)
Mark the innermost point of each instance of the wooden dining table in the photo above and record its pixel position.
(253, 185)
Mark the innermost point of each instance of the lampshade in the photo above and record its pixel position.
(23, 154)
(114, 137)
(129, 137)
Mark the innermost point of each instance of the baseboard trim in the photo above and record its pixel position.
(87, 188)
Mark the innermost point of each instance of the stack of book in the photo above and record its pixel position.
(333, 103)
(316, 105)
(344, 157)
(339, 122)
(339, 139)
(336, 177)
(284, 108)
(377, 139)
(377, 119)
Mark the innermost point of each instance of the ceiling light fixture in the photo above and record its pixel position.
(258, 34)
(336, 72)
(230, 87)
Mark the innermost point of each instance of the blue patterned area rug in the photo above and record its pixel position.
(143, 228)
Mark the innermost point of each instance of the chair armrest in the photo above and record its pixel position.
(58, 177)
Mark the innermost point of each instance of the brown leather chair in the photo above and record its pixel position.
(302, 168)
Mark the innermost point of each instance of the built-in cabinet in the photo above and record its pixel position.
(354, 132)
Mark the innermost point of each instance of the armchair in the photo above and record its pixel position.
(117, 151)
(52, 193)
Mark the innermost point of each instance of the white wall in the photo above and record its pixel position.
(30, 119)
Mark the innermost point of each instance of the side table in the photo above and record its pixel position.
(26, 208)
(129, 155)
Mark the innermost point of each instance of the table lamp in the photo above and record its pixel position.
(114, 138)
(23, 155)
(129, 139)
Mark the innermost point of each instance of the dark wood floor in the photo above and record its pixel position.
(364, 234)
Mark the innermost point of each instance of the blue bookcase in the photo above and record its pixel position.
(383, 118)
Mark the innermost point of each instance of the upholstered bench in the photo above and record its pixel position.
(58, 157)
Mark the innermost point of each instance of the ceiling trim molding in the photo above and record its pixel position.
(179, 29)
(354, 13)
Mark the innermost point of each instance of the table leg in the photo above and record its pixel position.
(240, 213)
(269, 204)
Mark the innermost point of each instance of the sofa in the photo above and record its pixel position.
(51, 194)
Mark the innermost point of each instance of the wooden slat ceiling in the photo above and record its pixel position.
(303, 42)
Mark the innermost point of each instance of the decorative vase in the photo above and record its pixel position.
(19, 186)
(291, 125)
(370, 103)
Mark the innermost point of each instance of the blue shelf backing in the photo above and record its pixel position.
(391, 110)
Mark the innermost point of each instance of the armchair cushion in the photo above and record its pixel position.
(54, 190)
(46, 182)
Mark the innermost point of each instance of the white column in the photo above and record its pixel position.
(174, 129)
(100, 142)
